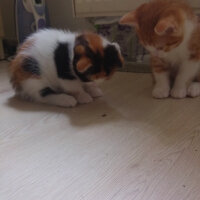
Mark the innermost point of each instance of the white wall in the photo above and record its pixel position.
(61, 16)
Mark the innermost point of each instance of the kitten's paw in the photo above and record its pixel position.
(160, 92)
(84, 98)
(95, 92)
(179, 93)
(194, 90)
(70, 102)
(62, 100)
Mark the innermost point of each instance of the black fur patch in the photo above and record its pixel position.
(111, 59)
(47, 91)
(31, 65)
(62, 61)
(80, 40)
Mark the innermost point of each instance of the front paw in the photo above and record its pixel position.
(160, 92)
(179, 93)
(70, 102)
(95, 92)
(84, 98)
(194, 90)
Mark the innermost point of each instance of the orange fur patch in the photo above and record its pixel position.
(80, 49)
(194, 44)
(166, 25)
(95, 42)
(149, 15)
(83, 64)
(17, 73)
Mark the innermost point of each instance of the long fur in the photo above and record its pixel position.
(59, 67)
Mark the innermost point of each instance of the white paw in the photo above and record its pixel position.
(179, 93)
(160, 92)
(95, 92)
(194, 90)
(84, 98)
(70, 102)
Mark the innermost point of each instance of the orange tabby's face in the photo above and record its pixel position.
(159, 24)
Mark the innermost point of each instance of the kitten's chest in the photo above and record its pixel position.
(177, 56)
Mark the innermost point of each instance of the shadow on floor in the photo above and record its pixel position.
(97, 112)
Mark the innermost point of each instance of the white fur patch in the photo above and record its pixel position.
(187, 72)
(93, 90)
(162, 86)
(194, 90)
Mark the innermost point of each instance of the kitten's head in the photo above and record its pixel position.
(160, 24)
(95, 57)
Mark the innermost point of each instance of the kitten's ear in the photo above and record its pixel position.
(129, 19)
(165, 26)
(83, 64)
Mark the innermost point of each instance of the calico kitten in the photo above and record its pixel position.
(59, 68)
(170, 31)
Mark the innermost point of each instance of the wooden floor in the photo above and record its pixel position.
(124, 146)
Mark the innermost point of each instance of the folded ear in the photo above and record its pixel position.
(129, 19)
(83, 64)
(166, 25)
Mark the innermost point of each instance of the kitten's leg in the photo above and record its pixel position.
(38, 91)
(162, 85)
(186, 74)
(75, 88)
(194, 89)
(93, 89)
(161, 76)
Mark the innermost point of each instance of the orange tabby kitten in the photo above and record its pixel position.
(170, 31)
